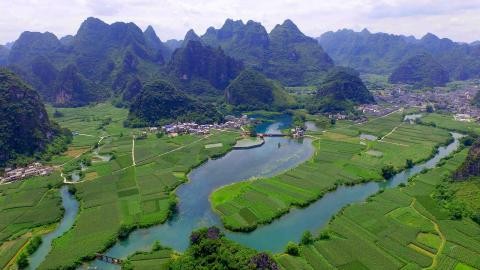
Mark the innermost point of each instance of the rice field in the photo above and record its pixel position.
(401, 228)
(123, 196)
(28, 204)
(339, 159)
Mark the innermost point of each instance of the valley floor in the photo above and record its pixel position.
(401, 228)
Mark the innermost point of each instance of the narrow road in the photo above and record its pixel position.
(391, 132)
(133, 151)
(442, 237)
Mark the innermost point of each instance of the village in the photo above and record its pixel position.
(36, 169)
(458, 101)
(176, 129)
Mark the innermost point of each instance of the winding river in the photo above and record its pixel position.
(70, 205)
(275, 156)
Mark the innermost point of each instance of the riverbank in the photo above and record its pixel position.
(249, 143)
(194, 209)
(135, 197)
(396, 228)
(339, 159)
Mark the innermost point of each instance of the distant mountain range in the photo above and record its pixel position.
(381, 53)
(114, 60)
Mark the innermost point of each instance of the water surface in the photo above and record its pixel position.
(70, 204)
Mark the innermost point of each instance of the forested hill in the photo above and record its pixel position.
(251, 90)
(421, 71)
(103, 57)
(202, 70)
(25, 128)
(381, 53)
(160, 103)
(343, 84)
(471, 166)
(285, 54)
(104, 61)
(4, 52)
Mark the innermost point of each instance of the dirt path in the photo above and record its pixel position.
(390, 133)
(133, 151)
(442, 237)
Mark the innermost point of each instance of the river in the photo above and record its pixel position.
(275, 156)
(70, 205)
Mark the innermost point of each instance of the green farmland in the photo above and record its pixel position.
(341, 157)
(401, 228)
(24, 208)
(116, 196)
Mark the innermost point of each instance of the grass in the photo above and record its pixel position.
(399, 229)
(340, 158)
(127, 196)
(156, 259)
(28, 204)
(448, 122)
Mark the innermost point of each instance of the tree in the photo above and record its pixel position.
(22, 261)
(388, 171)
(409, 163)
(292, 249)
(307, 238)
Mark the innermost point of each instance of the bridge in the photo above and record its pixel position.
(261, 135)
(108, 259)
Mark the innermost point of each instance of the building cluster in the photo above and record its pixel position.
(297, 132)
(457, 101)
(377, 110)
(36, 169)
(198, 129)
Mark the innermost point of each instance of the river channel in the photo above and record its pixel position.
(276, 155)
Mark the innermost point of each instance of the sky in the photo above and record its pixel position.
(454, 19)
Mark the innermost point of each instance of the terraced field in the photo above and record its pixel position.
(127, 196)
(341, 157)
(447, 122)
(401, 228)
(156, 259)
(28, 204)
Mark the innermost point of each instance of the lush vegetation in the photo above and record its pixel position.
(209, 249)
(421, 71)
(160, 102)
(196, 62)
(381, 53)
(25, 129)
(158, 258)
(341, 158)
(471, 165)
(340, 91)
(116, 196)
(285, 54)
(401, 228)
(253, 91)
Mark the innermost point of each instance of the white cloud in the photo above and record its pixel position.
(172, 18)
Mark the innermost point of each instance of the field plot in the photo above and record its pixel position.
(157, 259)
(401, 228)
(448, 122)
(339, 158)
(28, 204)
(126, 196)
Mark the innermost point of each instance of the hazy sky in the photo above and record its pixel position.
(455, 19)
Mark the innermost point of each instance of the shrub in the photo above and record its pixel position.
(388, 171)
(307, 238)
(22, 261)
(292, 249)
